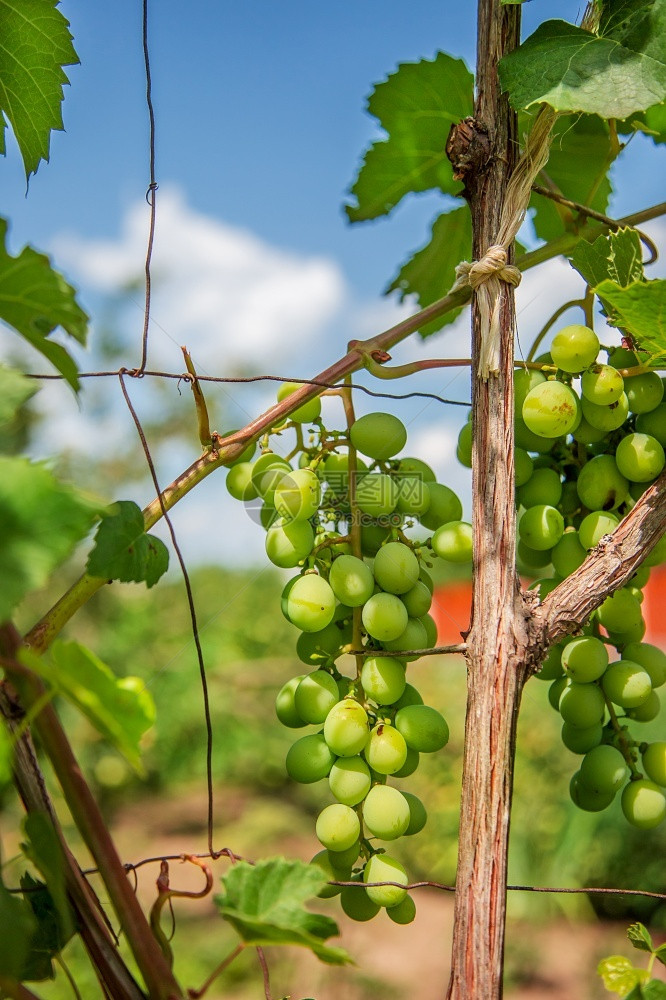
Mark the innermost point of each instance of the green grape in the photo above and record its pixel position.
(305, 414)
(644, 392)
(464, 447)
(337, 827)
(603, 769)
(415, 467)
(585, 433)
(640, 457)
(541, 527)
(606, 418)
(525, 379)
(641, 576)
(315, 696)
(581, 740)
(650, 658)
(350, 780)
(335, 470)
(396, 568)
(654, 762)
(658, 553)
(556, 690)
(626, 683)
(528, 440)
(620, 612)
(268, 516)
(346, 728)
(444, 506)
(376, 495)
(546, 586)
(551, 668)
(622, 357)
(643, 804)
(344, 861)
(288, 544)
(543, 487)
(384, 617)
(404, 912)
(246, 455)
(417, 600)
(602, 384)
(430, 625)
(418, 817)
(453, 542)
(386, 812)
(594, 526)
(410, 696)
(323, 861)
(587, 798)
(285, 706)
(413, 496)
(551, 409)
(373, 537)
(383, 679)
(310, 603)
(568, 554)
(297, 495)
(585, 659)
(413, 637)
(574, 348)
(309, 759)
(314, 648)
(524, 466)
(654, 423)
(411, 763)
(633, 634)
(382, 868)
(351, 580)
(581, 705)
(356, 903)
(378, 435)
(647, 710)
(601, 485)
(267, 472)
(386, 750)
(422, 727)
(239, 482)
(532, 558)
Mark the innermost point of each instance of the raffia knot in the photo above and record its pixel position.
(492, 264)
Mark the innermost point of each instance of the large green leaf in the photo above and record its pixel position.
(640, 310)
(123, 551)
(613, 74)
(41, 520)
(416, 105)
(121, 709)
(36, 44)
(35, 299)
(620, 975)
(264, 904)
(616, 257)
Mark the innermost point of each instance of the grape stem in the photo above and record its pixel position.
(196, 994)
(624, 744)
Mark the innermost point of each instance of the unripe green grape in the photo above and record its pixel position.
(424, 577)
(418, 817)
(310, 603)
(551, 409)
(349, 780)
(285, 706)
(308, 411)
(644, 392)
(415, 467)
(351, 580)
(413, 496)
(386, 812)
(620, 612)
(581, 705)
(378, 435)
(587, 798)
(601, 485)
(356, 903)
(404, 912)
(411, 763)
(464, 446)
(267, 471)
(383, 679)
(337, 827)
(382, 868)
(373, 537)
(574, 348)
(622, 357)
(585, 433)
(581, 740)
(444, 506)
(376, 494)
(524, 466)
(423, 728)
(290, 543)
(543, 487)
(417, 600)
(430, 625)
(239, 482)
(654, 423)
(268, 516)
(343, 861)
(541, 527)
(641, 576)
(323, 861)
(626, 683)
(386, 750)
(594, 526)
(335, 470)
(532, 558)
(315, 696)
(528, 440)
(568, 554)
(602, 384)
(413, 637)
(585, 659)
(546, 586)
(297, 495)
(654, 762)
(384, 617)
(640, 457)
(556, 690)
(525, 379)
(606, 418)
(632, 634)
(314, 648)
(650, 658)
(396, 568)
(309, 759)
(647, 710)
(658, 553)
(453, 541)
(644, 804)
(410, 696)
(551, 668)
(346, 728)
(603, 769)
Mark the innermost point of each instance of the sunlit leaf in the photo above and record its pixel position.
(639, 936)
(640, 310)
(123, 551)
(620, 975)
(616, 257)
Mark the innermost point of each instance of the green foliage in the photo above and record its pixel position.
(36, 44)
(264, 904)
(123, 551)
(15, 390)
(613, 74)
(616, 257)
(35, 299)
(640, 310)
(18, 926)
(416, 106)
(639, 936)
(41, 520)
(620, 975)
(44, 850)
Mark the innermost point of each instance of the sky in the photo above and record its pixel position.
(260, 126)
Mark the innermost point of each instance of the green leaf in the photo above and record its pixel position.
(35, 299)
(45, 852)
(639, 936)
(264, 904)
(416, 105)
(580, 155)
(44, 945)
(5, 755)
(41, 520)
(613, 74)
(123, 551)
(616, 257)
(660, 952)
(651, 122)
(15, 389)
(640, 310)
(36, 44)
(620, 975)
(654, 990)
(121, 709)
(18, 926)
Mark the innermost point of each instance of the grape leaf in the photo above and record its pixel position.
(620, 975)
(44, 850)
(640, 937)
(18, 926)
(121, 709)
(15, 389)
(264, 904)
(36, 44)
(35, 299)
(651, 122)
(654, 990)
(41, 520)
(616, 257)
(660, 952)
(614, 73)
(416, 106)
(123, 551)
(640, 310)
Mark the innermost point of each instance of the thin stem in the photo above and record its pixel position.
(70, 978)
(624, 745)
(355, 524)
(196, 994)
(203, 420)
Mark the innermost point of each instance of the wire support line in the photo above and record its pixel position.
(460, 647)
(151, 193)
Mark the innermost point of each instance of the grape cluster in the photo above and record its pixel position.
(362, 587)
(589, 442)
